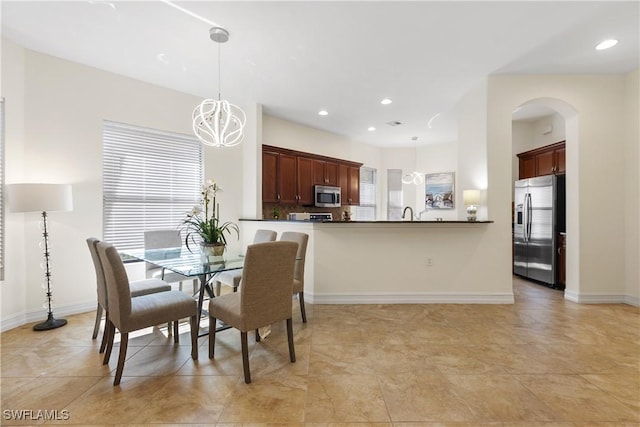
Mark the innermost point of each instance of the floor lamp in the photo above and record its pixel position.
(42, 198)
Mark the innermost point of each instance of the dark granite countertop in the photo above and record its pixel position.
(369, 222)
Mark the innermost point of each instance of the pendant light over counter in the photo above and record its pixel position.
(218, 123)
(415, 177)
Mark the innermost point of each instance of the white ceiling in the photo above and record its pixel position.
(297, 58)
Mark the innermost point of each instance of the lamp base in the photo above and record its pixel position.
(471, 213)
(50, 323)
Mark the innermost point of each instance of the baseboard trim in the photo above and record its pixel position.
(581, 298)
(417, 298)
(39, 315)
(634, 301)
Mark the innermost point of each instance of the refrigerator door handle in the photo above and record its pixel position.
(529, 215)
(524, 218)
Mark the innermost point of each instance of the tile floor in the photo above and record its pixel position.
(540, 362)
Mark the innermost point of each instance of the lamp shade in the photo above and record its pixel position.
(471, 197)
(39, 197)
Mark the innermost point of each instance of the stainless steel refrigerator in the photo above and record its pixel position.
(539, 215)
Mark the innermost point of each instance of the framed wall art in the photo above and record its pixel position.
(440, 190)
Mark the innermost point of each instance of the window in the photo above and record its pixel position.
(150, 180)
(394, 194)
(2, 189)
(367, 209)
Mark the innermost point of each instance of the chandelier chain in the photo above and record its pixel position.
(219, 72)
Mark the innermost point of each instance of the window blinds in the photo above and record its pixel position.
(150, 180)
(367, 209)
(394, 194)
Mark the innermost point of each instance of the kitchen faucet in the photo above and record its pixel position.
(405, 211)
(419, 216)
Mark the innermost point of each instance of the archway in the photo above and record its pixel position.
(571, 134)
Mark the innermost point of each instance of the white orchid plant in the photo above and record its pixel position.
(203, 220)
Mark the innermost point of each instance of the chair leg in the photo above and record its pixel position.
(218, 288)
(96, 327)
(245, 357)
(176, 332)
(124, 340)
(212, 335)
(195, 287)
(302, 310)
(111, 332)
(194, 337)
(292, 351)
(257, 335)
(105, 334)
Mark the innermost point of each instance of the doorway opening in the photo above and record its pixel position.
(544, 202)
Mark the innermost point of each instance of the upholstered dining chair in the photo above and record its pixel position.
(129, 314)
(302, 240)
(232, 277)
(165, 238)
(138, 287)
(264, 297)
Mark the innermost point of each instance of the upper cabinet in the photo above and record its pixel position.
(350, 184)
(270, 188)
(546, 160)
(305, 180)
(288, 176)
(325, 172)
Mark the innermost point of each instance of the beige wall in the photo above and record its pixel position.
(12, 289)
(632, 186)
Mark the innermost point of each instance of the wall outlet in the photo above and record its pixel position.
(428, 262)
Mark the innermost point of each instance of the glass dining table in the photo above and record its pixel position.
(190, 264)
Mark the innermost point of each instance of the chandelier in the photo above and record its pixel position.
(414, 177)
(216, 122)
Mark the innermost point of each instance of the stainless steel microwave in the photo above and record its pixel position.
(326, 196)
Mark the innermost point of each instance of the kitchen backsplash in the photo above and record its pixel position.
(284, 210)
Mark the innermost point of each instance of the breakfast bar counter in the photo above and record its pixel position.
(372, 222)
(377, 262)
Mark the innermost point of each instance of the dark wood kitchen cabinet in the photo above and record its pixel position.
(325, 173)
(289, 176)
(305, 180)
(279, 177)
(350, 184)
(270, 190)
(288, 179)
(545, 160)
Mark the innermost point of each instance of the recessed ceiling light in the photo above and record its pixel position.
(323, 112)
(606, 44)
(371, 129)
(386, 101)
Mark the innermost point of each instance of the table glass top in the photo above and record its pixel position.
(181, 260)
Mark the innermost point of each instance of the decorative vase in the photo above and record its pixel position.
(213, 249)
